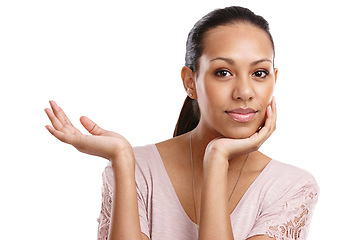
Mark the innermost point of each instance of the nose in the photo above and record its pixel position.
(243, 89)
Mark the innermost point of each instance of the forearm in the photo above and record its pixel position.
(215, 214)
(125, 222)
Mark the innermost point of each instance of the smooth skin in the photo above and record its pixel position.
(236, 70)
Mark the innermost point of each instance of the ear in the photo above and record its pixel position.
(275, 73)
(188, 78)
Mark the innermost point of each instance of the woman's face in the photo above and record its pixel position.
(235, 80)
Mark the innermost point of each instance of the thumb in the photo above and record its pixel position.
(90, 126)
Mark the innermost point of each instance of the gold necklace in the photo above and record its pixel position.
(193, 177)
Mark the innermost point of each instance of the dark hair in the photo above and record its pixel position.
(190, 113)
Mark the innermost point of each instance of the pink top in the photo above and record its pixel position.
(279, 203)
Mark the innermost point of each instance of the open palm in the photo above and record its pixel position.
(102, 143)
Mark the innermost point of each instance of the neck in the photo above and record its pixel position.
(200, 138)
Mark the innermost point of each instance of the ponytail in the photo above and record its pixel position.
(189, 117)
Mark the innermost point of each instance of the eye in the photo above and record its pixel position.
(261, 74)
(222, 73)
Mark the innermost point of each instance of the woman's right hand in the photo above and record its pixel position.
(102, 143)
(125, 223)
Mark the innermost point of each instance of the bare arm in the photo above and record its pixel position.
(125, 223)
(214, 213)
(215, 221)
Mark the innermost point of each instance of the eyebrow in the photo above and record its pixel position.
(260, 61)
(228, 60)
(232, 62)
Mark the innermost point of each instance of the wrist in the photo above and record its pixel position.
(123, 160)
(214, 155)
(215, 163)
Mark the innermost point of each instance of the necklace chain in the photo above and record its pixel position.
(193, 177)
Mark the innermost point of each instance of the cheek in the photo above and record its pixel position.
(210, 95)
(265, 94)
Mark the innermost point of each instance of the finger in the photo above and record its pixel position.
(266, 130)
(270, 121)
(275, 108)
(58, 134)
(274, 114)
(273, 103)
(271, 116)
(60, 114)
(91, 127)
(59, 119)
(53, 119)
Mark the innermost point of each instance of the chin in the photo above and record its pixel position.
(244, 130)
(241, 132)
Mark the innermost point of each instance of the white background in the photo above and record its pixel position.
(119, 64)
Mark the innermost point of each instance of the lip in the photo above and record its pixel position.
(242, 114)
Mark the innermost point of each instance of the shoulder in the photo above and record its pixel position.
(146, 160)
(145, 154)
(289, 174)
(285, 181)
(289, 195)
(148, 163)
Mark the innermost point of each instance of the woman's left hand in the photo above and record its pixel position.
(230, 148)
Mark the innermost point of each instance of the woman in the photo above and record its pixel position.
(209, 181)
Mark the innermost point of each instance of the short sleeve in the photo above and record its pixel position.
(143, 186)
(144, 223)
(106, 204)
(288, 218)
